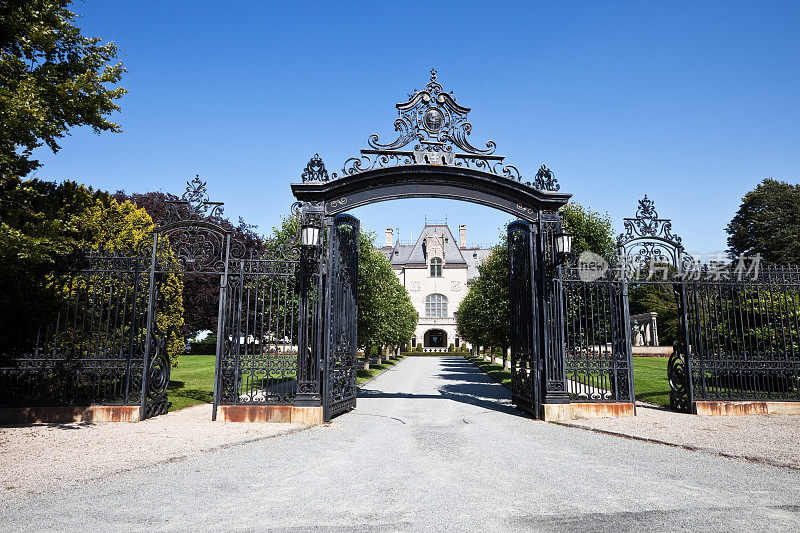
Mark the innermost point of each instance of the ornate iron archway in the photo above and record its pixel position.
(433, 158)
(441, 164)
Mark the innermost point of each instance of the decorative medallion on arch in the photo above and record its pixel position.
(432, 118)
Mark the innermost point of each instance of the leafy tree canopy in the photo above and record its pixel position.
(52, 78)
(386, 315)
(591, 231)
(768, 223)
(483, 315)
(661, 299)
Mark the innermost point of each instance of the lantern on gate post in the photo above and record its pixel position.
(309, 235)
(563, 246)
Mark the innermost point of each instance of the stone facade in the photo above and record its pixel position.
(436, 271)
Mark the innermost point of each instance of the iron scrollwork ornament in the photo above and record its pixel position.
(433, 119)
(432, 129)
(545, 180)
(648, 240)
(315, 170)
(194, 204)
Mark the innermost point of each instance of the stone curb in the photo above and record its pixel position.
(711, 451)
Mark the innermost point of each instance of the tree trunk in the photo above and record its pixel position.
(366, 357)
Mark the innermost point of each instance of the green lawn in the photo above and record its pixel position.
(192, 381)
(374, 370)
(650, 379)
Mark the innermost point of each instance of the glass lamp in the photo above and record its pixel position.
(563, 244)
(310, 236)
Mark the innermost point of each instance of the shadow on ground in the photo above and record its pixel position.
(465, 384)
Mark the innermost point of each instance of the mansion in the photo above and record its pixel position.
(436, 270)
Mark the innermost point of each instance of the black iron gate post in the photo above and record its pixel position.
(156, 365)
(551, 341)
(309, 353)
(151, 317)
(223, 292)
(621, 352)
(679, 371)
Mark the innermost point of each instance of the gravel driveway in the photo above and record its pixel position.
(770, 439)
(433, 446)
(46, 457)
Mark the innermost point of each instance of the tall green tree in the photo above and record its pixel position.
(386, 315)
(661, 299)
(768, 223)
(591, 230)
(201, 291)
(45, 228)
(52, 79)
(483, 315)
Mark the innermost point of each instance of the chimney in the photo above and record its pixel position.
(462, 235)
(389, 237)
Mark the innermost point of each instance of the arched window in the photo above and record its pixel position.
(436, 267)
(436, 306)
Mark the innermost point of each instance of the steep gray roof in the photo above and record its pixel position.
(452, 255)
(474, 257)
(397, 254)
(412, 254)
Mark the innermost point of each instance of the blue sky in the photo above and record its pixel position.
(692, 103)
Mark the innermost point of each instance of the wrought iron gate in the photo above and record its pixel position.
(525, 361)
(77, 338)
(596, 337)
(257, 353)
(341, 316)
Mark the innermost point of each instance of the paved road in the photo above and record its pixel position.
(433, 445)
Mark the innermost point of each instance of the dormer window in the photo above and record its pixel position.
(436, 267)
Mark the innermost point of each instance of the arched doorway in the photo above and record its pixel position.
(430, 158)
(435, 338)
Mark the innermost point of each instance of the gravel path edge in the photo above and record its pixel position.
(700, 449)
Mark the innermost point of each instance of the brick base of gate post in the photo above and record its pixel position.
(564, 412)
(285, 414)
(753, 407)
(67, 414)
